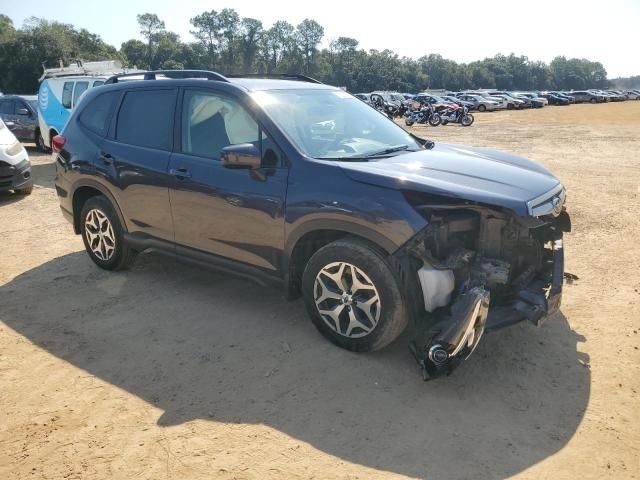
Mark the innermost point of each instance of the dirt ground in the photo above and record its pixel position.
(167, 371)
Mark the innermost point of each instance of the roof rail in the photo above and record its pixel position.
(286, 76)
(175, 74)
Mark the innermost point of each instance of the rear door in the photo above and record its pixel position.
(7, 113)
(234, 213)
(26, 119)
(135, 159)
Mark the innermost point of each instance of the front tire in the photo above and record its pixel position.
(482, 108)
(103, 235)
(435, 120)
(352, 296)
(466, 120)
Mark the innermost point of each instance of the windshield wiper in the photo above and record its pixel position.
(387, 151)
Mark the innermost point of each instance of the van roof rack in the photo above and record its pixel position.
(282, 76)
(173, 74)
(80, 68)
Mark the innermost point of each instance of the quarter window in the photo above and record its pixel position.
(95, 116)
(67, 92)
(146, 118)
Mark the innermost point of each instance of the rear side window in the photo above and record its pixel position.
(7, 107)
(146, 117)
(95, 115)
(81, 87)
(67, 92)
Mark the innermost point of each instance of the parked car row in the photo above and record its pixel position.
(396, 104)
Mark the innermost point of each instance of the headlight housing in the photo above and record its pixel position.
(14, 149)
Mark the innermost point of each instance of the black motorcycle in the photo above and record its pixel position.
(423, 115)
(389, 109)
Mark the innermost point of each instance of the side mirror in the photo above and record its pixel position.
(22, 111)
(242, 155)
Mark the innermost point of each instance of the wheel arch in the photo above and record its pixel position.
(308, 239)
(84, 191)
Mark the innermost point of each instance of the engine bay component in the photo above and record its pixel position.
(437, 286)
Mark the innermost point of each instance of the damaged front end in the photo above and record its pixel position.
(474, 268)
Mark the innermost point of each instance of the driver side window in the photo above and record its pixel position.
(211, 122)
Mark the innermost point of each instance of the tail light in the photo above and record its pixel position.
(57, 143)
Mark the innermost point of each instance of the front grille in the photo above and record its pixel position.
(550, 203)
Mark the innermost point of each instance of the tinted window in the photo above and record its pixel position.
(211, 122)
(6, 107)
(146, 118)
(81, 87)
(67, 91)
(95, 116)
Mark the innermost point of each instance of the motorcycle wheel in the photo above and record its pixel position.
(408, 122)
(435, 120)
(444, 122)
(467, 120)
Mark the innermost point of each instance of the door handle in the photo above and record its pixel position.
(106, 158)
(180, 173)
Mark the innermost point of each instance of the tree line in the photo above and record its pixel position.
(229, 43)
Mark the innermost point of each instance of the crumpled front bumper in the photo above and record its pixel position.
(441, 346)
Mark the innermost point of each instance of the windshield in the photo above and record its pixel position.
(331, 124)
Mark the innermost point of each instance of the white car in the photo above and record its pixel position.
(15, 166)
(482, 104)
(632, 95)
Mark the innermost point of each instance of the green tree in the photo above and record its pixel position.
(309, 34)
(150, 26)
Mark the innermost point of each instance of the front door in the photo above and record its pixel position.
(234, 213)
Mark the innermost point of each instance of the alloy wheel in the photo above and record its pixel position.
(347, 300)
(99, 233)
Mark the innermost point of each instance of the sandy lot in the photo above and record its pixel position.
(166, 371)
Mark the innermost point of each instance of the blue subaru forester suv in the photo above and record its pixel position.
(291, 180)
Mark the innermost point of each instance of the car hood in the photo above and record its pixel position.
(6, 136)
(460, 172)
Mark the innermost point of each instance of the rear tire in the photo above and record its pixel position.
(467, 120)
(353, 285)
(435, 120)
(482, 108)
(40, 142)
(103, 235)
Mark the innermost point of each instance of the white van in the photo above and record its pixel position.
(61, 89)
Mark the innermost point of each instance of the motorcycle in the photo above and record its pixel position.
(423, 115)
(389, 109)
(457, 114)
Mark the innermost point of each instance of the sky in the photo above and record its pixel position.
(462, 30)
